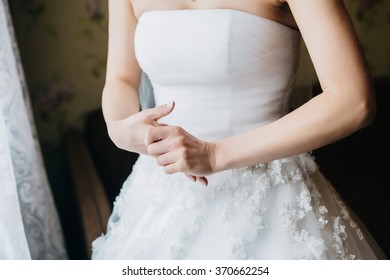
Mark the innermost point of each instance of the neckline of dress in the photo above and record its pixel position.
(218, 10)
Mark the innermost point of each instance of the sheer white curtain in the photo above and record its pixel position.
(13, 243)
(29, 224)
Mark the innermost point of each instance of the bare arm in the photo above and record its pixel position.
(123, 72)
(346, 104)
(126, 125)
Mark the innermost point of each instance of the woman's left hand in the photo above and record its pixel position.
(178, 151)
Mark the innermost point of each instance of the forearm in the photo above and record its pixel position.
(120, 104)
(120, 100)
(326, 118)
(128, 126)
(345, 106)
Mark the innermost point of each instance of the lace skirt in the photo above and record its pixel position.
(284, 209)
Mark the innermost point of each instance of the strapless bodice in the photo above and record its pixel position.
(228, 71)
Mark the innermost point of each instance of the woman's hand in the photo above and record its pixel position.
(129, 133)
(178, 151)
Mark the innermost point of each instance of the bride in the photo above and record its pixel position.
(225, 170)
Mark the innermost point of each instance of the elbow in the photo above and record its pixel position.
(366, 114)
(370, 115)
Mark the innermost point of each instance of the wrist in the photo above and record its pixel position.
(124, 136)
(114, 128)
(219, 161)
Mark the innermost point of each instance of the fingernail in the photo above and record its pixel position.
(169, 105)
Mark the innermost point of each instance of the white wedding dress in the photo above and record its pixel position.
(228, 71)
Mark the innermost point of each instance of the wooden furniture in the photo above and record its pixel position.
(89, 191)
(97, 170)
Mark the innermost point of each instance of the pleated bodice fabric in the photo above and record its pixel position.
(223, 62)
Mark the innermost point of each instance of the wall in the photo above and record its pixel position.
(63, 46)
(371, 19)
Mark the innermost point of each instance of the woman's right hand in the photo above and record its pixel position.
(129, 133)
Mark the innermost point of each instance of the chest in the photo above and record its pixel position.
(265, 8)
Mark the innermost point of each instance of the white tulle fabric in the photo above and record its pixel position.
(228, 71)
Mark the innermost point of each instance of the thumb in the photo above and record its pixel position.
(161, 111)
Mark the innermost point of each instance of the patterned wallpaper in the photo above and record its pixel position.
(63, 47)
(372, 22)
